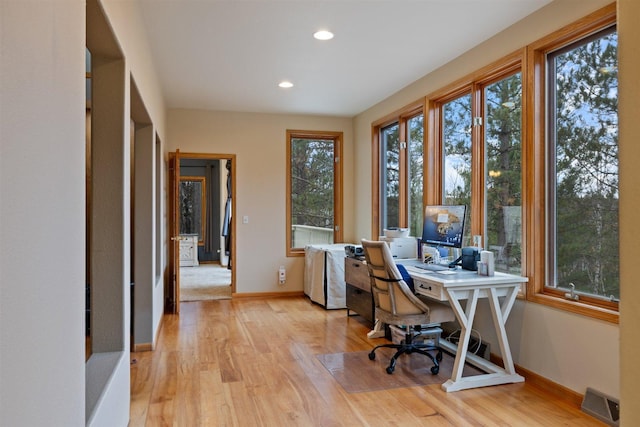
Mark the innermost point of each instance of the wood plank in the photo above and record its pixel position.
(254, 362)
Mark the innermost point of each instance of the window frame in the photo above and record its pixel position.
(402, 118)
(337, 138)
(538, 207)
(508, 69)
(531, 62)
(473, 85)
(203, 205)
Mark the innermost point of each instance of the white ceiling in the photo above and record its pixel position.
(230, 55)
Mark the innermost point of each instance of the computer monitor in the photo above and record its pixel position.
(444, 225)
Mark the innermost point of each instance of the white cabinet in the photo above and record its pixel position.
(188, 250)
(324, 275)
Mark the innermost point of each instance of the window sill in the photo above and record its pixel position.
(577, 307)
(295, 252)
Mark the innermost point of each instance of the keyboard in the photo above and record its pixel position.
(424, 266)
(431, 267)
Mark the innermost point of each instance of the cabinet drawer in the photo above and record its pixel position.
(360, 301)
(356, 274)
(432, 290)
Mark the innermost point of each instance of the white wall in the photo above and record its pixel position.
(144, 229)
(112, 402)
(558, 345)
(259, 142)
(42, 213)
(126, 22)
(125, 19)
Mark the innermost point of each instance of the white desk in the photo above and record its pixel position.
(467, 285)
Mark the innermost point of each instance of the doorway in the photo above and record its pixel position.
(202, 250)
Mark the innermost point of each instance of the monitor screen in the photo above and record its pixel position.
(444, 225)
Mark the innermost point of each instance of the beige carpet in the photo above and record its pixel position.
(205, 282)
(356, 373)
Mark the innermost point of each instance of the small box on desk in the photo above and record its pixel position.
(428, 335)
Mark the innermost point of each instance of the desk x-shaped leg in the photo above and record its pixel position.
(500, 312)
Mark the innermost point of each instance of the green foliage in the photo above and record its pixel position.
(585, 151)
(583, 160)
(312, 182)
(391, 170)
(503, 145)
(586, 158)
(390, 157)
(457, 152)
(415, 148)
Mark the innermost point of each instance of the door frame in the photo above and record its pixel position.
(173, 258)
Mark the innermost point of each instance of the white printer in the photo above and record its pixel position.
(401, 247)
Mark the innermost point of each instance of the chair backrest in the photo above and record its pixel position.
(390, 293)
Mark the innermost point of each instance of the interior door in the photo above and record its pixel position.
(173, 293)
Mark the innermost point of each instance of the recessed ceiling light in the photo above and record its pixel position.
(323, 35)
(285, 84)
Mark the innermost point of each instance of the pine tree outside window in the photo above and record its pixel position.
(457, 162)
(582, 169)
(390, 167)
(398, 147)
(314, 193)
(530, 144)
(503, 172)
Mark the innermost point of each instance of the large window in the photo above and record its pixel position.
(530, 145)
(456, 163)
(415, 172)
(573, 196)
(477, 138)
(390, 168)
(314, 195)
(582, 201)
(503, 175)
(399, 146)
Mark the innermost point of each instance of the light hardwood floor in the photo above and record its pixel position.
(252, 362)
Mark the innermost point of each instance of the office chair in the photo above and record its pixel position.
(395, 304)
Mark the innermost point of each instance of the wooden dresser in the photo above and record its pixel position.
(358, 290)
